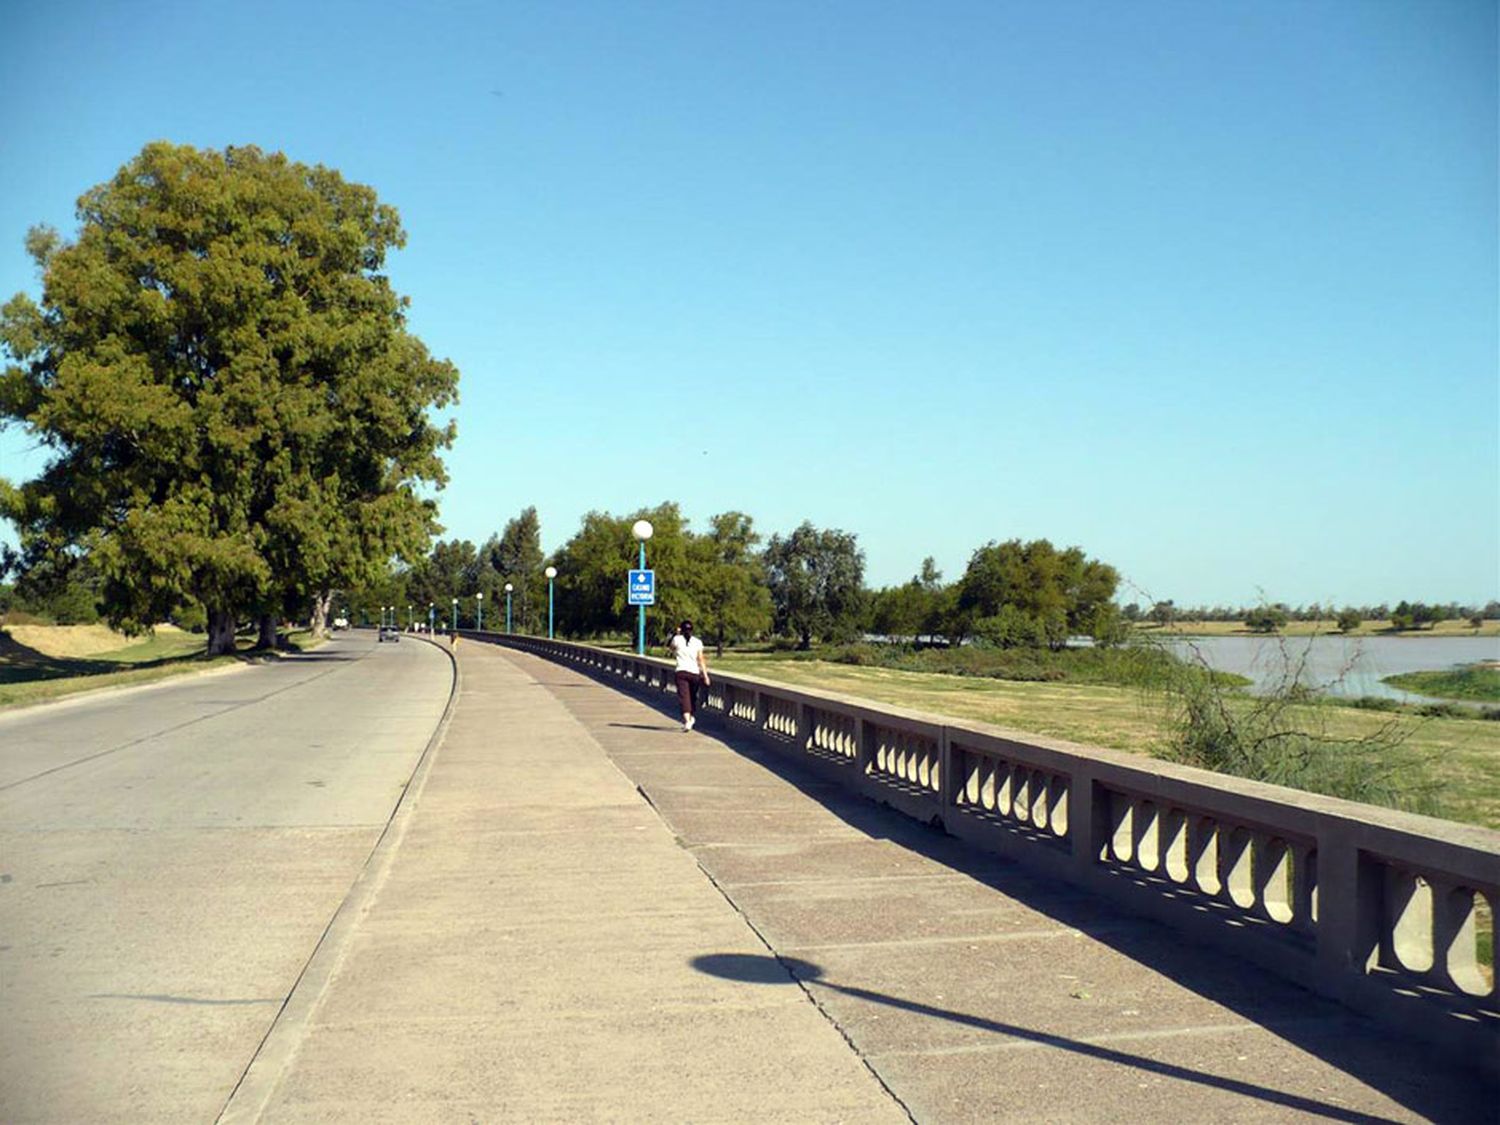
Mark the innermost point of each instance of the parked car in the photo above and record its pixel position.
(387, 633)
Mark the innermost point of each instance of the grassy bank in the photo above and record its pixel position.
(1465, 753)
(1478, 683)
(1133, 666)
(39, 663)
(37, 666)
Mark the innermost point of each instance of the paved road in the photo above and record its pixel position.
(169, 859)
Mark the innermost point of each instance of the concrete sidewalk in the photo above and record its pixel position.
(529, 956)
(753, 945)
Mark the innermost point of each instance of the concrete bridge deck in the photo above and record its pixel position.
(583, 913)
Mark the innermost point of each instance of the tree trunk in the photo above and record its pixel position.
(320, 604)
(267, 637)
(220, 632)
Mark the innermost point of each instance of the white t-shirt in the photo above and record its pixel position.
(687, 651)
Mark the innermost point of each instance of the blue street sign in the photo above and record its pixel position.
(642, 587)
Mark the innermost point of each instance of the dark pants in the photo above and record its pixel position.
(688, 684)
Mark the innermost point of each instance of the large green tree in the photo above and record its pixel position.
(816, 578)
(515, 557)
(1016, 593)
(917, 609)
(592, 565)
(236, 411)
(728, 578)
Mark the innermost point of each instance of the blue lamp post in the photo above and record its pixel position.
(479, 603)
(508, 589)
(551, 574)
(409, 619)
(455, 615)
(431, 618)
(642, 531)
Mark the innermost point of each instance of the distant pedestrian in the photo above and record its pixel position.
(692, 670)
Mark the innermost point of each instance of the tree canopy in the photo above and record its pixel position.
(235, 409)
(817, 583)
(1016, 593)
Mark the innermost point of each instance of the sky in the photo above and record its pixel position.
(1207, 289)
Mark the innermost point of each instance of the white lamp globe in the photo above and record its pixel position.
(551, 572)
(642, 530)
(508, 587)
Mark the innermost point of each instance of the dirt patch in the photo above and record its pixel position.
(71, 641)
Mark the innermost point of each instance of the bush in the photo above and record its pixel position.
(1265, 619)
(1282, 738)
(1376, 703)
(1010, 628)
(860, 655)
(1443, 711)
(191, 617)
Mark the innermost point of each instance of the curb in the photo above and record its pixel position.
(277, 1050)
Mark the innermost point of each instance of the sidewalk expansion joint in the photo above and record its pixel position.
(801, 984)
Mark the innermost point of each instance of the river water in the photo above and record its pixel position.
(1338, 665)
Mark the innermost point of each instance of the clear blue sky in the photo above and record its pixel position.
(1209, 289)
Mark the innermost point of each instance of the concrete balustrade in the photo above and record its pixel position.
(1382, 910)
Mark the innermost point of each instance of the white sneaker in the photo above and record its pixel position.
(689, 723)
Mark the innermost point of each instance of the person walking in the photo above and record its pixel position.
(692, 670)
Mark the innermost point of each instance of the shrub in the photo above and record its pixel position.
(1443, 711)
(1376, 703)
(1266, 619)
(191, 617)
(1010, 628)
(1282, 738)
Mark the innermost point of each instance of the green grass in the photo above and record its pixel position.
(1465, 752)
(1477, 683)
(28, 676)
(1132, 666)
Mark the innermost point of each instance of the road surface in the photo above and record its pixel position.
(169, 859)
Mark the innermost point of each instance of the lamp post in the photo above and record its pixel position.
(508, 589)
(642, 531)
(455, 615)
(551, 573)
(479, 603)
(409, 619)
(431, 618)
(383, 611)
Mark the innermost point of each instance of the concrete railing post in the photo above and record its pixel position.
(1349, 907)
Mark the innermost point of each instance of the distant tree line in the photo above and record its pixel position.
(805, 585)
(1268, 618)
